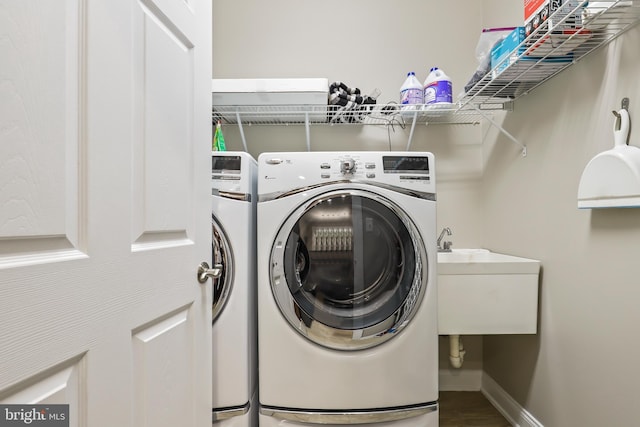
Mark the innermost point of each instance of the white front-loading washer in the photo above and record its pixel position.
(347, 303)
(233, 222)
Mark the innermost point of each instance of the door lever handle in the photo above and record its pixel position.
(204, 272)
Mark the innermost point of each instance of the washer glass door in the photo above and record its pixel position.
(222, 256)
(354, 269)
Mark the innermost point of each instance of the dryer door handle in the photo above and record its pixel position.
(204, 272)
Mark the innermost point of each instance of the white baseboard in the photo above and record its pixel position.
(508, 407)
(459, 379)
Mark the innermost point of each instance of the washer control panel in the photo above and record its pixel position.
(232, 172)
(287, 171)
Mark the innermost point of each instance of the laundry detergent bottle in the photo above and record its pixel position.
(437, 87)
(411, 91)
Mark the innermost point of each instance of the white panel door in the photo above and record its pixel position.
(105, 133)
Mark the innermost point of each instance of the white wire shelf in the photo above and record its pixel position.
(550, 49)
(375, 114)
(372, 114)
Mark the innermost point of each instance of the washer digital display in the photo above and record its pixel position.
(225, 164)
(405, 164)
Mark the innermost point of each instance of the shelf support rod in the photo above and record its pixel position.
(240, 128)
(503, 130)
(413, 126)
(307, 131)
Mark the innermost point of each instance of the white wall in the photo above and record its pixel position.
(581, 368)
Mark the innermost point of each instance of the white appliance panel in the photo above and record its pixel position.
(426, 420)
(298, 373)
(232, 334)
(234, 330)
(295, 372)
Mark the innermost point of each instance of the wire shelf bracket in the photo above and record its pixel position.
(503, 130)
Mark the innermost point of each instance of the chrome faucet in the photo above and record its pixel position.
(446, 246)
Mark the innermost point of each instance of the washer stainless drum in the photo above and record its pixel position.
(346, 288)
(352, 261)
(234, 329)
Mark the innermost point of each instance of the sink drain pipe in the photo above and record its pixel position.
(456, 351)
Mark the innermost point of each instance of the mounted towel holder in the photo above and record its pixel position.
(612, 178)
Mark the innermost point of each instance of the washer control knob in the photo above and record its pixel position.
(347, 165)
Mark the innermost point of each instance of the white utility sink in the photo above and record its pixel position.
(482, 292)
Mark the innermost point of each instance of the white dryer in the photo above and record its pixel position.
(347, 303)
(235, 353)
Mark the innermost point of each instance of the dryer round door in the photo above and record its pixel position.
(348, 269)
(222, 255)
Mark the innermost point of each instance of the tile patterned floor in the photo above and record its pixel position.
(468, 409)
